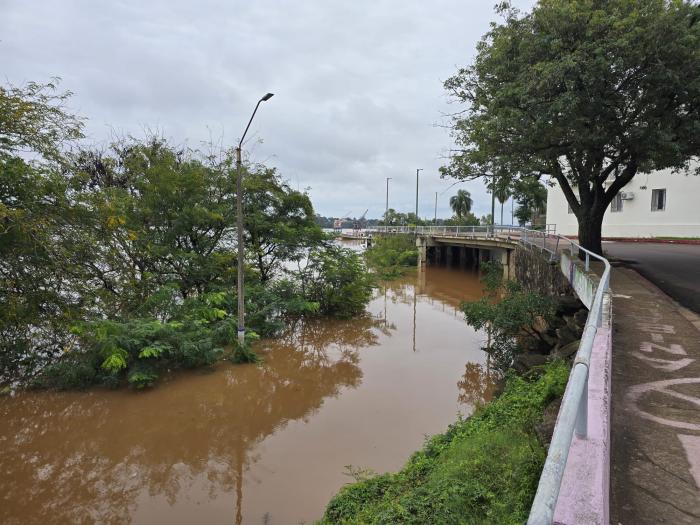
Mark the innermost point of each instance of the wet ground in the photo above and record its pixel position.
(675, 268)
(247, 443)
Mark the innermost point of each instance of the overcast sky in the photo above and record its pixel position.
(357, 84)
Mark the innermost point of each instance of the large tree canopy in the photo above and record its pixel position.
(589, 92)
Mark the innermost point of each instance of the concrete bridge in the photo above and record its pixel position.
(466, 246)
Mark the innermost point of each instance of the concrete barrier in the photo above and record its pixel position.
(584, 497)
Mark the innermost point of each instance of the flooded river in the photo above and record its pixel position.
(252, 444)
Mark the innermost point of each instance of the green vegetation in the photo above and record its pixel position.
(483, 470)
(569, 90)
(678, 238)
(395, 218)
(120, 263)
(391, 255)
(509, 313)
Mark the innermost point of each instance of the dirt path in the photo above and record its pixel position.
(655, 474)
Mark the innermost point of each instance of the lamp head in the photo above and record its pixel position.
(267, 97)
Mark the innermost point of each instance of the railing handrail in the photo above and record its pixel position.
(573, 412)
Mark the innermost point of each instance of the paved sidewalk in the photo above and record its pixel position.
(655, 474)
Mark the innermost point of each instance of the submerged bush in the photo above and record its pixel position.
(336, 281)
(483, 469)
(391, 255)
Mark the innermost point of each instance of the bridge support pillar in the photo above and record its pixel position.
(422, 247)
(505, 258)
(448, 255)
(483, 255)
(462, 257)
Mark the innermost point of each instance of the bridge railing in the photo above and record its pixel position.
(451, 231)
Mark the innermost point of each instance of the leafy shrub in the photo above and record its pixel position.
(508, 312)
(483, 469)
(390, 255)
(336, 280)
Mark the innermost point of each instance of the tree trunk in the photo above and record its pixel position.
(590, 228)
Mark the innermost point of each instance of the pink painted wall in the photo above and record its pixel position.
(584, 495)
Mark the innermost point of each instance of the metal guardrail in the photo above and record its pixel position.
(450, 231)
(573, 413)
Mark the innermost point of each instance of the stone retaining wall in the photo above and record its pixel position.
(536, 273)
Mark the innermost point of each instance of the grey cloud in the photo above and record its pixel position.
(358, 84)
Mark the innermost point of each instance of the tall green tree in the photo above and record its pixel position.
(37, 289)
(279, 221)
(588, 92)
(461, 203)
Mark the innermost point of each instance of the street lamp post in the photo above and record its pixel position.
(386, 210)
(239, 224)
(417, 171)
(435, 219)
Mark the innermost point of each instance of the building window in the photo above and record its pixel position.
(616, 204)
(658, 200)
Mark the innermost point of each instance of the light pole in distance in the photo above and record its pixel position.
(239, 224)
(386, 209)
(417, 171)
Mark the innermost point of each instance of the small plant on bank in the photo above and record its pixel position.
(508, 313)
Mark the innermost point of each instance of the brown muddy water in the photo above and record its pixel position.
(251, 444)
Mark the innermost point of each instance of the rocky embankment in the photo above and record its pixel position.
(558, 338)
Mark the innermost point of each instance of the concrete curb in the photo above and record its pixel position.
(645, 240)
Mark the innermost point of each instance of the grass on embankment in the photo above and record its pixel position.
(483, 470)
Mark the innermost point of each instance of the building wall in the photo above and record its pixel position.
(680, 218)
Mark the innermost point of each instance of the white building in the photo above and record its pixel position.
(658, 204)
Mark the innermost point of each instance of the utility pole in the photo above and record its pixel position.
(435, 219)
(417, 171)
(386, 211)
(493, 202)
(239, 225)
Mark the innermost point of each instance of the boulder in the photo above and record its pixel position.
(566, 351)
(580, 317)
(566, 335)
(567, 304)
(527, 361)
(573, 326)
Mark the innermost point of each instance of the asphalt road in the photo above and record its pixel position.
(675, 268)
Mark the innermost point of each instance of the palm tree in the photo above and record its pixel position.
(502, 195)
(461, 203)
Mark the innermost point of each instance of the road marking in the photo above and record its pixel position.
(636, 392)
(664, 364)
(651, 327)
(691, 446)
(671, 349)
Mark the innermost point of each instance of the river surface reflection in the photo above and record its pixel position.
(246, 443)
